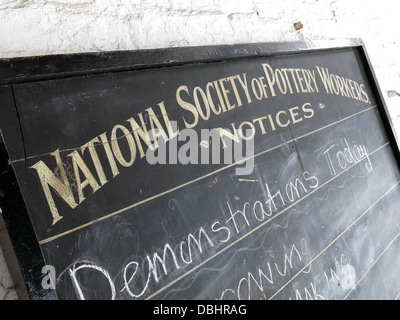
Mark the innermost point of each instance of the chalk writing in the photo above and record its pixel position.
(310, 293)
(340, 157)
(333, 282)
(141, 275)
(256, 283)
(276, 199)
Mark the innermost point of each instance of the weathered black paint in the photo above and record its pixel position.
(65, 101)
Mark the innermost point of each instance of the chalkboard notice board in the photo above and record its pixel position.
(254, 171)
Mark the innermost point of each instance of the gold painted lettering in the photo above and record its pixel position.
(270, 77)
(79, 165)
(141, 133)
(95, 158)
(167, 122)
(259, 120)
(243, 83)
(187, 106)
(278, 120)
(109, 154)
(232, 80)
(225, 92)
(210, 100)
(62, 188)
(115, 145)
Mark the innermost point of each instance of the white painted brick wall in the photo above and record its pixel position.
(38, 27)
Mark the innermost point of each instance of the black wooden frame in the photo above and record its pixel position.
(17, 237)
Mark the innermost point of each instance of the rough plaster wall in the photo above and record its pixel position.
(39, 27)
